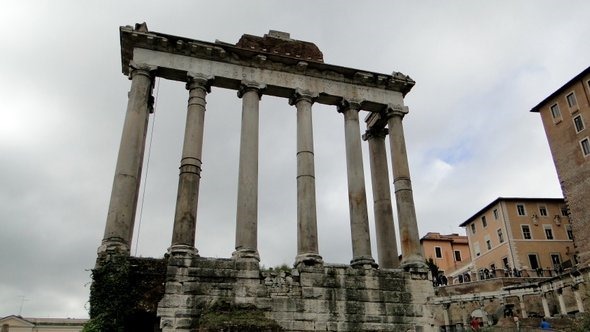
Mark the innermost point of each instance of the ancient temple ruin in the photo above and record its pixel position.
(366, 295)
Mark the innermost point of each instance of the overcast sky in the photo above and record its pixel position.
(480, 66)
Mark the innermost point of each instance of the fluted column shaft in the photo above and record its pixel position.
(410, 240)
(185, 219)
(307, 231)
(357, 196)
(123, 204)
(247, 211)
(384, 228)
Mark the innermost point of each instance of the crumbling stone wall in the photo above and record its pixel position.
(125, 293)
(324, 298)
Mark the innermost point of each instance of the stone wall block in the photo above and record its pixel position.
(172, 287)
(300, 325)
(312, 279)
(316, 306)
(248, 274)
(391, 296)
(374, 308)
(313, 292)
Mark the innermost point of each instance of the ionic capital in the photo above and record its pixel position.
(141, 69)
(198, 81)
(346, 104)
(246, 86)
(379, 133)
(396, 110)
(303, 95)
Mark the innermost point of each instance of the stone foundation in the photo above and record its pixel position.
(317, 298)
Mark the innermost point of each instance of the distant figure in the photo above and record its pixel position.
(517, 322)
(544, 324)
(474, 324)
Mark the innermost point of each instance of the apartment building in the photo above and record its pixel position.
(526, 234)
(449, 252)
(566, 117)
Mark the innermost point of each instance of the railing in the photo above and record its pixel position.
(502, 273)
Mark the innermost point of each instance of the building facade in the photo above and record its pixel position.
(15, 323)
(449, 252)
(520, 237)
(566, 115)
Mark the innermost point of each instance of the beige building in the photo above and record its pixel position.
(566, 115)
(449, 252)
(526, 234)
(19, 324)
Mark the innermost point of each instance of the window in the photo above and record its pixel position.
(520, 209)
(543, 211)
(569, 231)
(476, 250)
(500, 236)
(564, 211)
(534, 261)
(437, 252)
(526, 232)
(555, 113)
(473, 228)
(496, 214)
(571, 100)
(484, 222)
(578, 123)
(488, 242)
(585, 144)
(555, 260)
(457, 255)
(505, 262)
(548, 232)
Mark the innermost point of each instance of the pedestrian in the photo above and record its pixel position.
(516, 322)
(544, 324)
(474, 324)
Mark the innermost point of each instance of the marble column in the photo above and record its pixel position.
(247, 210)
(561, 301)
(384, 228)
(578, 297)
(357, 197)
(123, 204)
(185, 219)
(446, 315)
(546, 312)
(523, 312)
(410, 240)
(307, 230)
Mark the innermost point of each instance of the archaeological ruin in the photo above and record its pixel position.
(187, 292)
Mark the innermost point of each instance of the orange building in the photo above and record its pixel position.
(565, 114)
(449, 252)
(526, 234)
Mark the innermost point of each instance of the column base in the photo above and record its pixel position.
(183, 250)
(113, 245)
(363, 261)
(414, 262)
(246, 254)
(308, 259)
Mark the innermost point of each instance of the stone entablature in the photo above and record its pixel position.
(230, 65)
